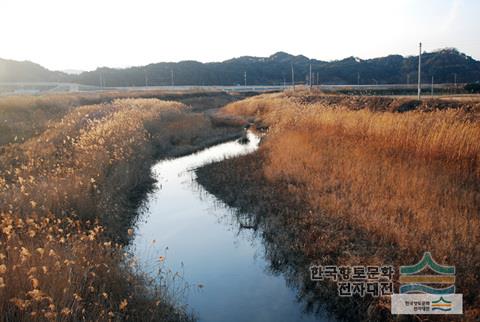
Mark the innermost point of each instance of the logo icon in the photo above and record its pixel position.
(414, 283)
(441, 305)
(427, 287)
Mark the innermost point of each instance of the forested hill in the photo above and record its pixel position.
(443, 65)
(24, 71)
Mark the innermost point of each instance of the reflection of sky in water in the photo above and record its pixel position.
(195, 227)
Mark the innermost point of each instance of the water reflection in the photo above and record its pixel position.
(214, 248)
(278, 248)
(292, 235)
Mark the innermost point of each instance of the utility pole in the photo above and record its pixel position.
(358, 78)
(310, 77)
(318, 80)
(419, 70)
(245, 78)
(408, 79)
(101, 80)
(146, 77)
(172, 79)
(455, 82)
(293, 78)
(432, 85)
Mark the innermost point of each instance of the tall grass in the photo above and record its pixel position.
(64, 194)
(22, 117)
(410, 180)
(61, 269)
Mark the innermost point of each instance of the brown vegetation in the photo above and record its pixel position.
(22, 117)
(375, 186)
(58, 269)
(68, 196)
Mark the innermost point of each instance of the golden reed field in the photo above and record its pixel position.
(71, 178)
(360, 180)
(337, 180)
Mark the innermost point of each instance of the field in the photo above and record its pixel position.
(73, 171)
(337, 180)
(358, 180)
(25, 116)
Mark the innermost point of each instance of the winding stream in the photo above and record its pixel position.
(207, 247)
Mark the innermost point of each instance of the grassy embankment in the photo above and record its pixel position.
(350, 180)
(68, 194)
(25, 116)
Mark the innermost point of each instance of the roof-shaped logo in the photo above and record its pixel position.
(441, 305)
(417, 283)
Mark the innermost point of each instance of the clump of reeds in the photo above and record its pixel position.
(409, 180)
(64, 195)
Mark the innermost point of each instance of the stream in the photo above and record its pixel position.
(200, 238)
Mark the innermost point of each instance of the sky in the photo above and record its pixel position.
(86, 34)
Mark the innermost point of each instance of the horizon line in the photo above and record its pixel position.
(232, 58)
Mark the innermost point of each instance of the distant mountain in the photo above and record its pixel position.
(394, 69)
(25, 71)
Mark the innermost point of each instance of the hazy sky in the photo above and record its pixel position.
(71, 34)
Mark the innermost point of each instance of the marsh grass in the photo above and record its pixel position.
(61, 269)
(23, 117)
(67, 200)
(409, 181)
